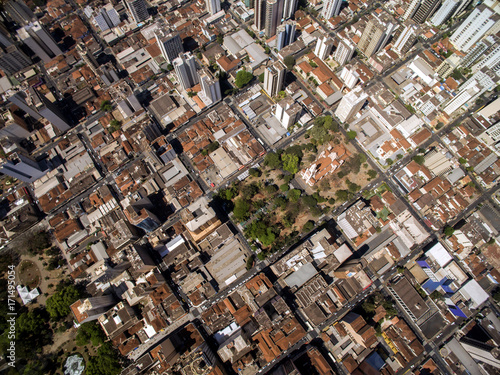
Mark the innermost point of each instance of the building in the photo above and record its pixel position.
(260, 14)
(372, 38)
(273, 78)
(425, 10)
(351, 104)
(445, 12)
(107, 18)
(22, 167)
(349, 76)
(210, 86)
(213, 6)
(485, 46)
(39, 41)
(327, 162)
(331, 8)
(491, 58)
(285, 34)
(288, 112)
(12, 60)
(89, 309)
(410, 11)
(138, 9)
(274, 13)
(324, 46)
(344, 51)
(170, 44)
(474, 28)
(406, 40)
(289, 8)
(19, 12)
(13, 127)
(185, 68)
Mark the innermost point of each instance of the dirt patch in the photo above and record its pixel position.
(492, 254)
(29, 274)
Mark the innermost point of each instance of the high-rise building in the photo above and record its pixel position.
(289, 8)
(249, 4)
(324, 46)
(138, 9)
(13, 127)
(406, 40)
(491, 60)
(410, 11)
(88, 58)
(88, 309)
(273, 78)
(425, 10)
(349, 76)
(170, 44)
(185, 68)
(372, 37)
(12, 60)
(213, 6)
(39, 41)
(274, 12)
(344, 52)
(331, 8)
(288, 112)
(19, 12)
(22, 167)
(351, 104)
(444, 13)
(474, 28)
(485, 46)
(107, 18)
(285, 34)
(260, 14)
(210, 86)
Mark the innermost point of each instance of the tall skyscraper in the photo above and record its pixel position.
(185, 68)
(274, 12)
(372, 37)
(345, 51)
(13, 127)
(410, 11)
(324, 46)
(39, 41)
(351, 104)
(19, 12)
(406, 40)
(22, 167)
(213, 6)
(491, 60)
(138, 9)
(289, 8)
(288, 112)
(425, 10)
(260, 14)
(286, 34)
(331, 8)
(478, 51)
(107, 18)
(210, 86)
(474, 28)
(273, 78)
(88, 58)
(445, 12)
(249, 4)
(12, 60)
(170, 44)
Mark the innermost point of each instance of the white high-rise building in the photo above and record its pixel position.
(375, 36)
(351, 104)
(289, 8)
(490, 61)
(331, 8)
(474, 28)
(107, 18)
(22, 167)
(405, 40)
(39, 41)
(324, 46)
(170, 44)
(411, 10)
(274, 14)
(213, 6)
(349, 76)
(288, 112)
(285, 34)
(273, 78)
(260, 14)
(185, 68)
(445, 12)
(344, 51)
(210, 86)
(138, 9)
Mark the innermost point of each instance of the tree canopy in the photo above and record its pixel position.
(289, 62)
(290, 163)
(272, 160)
(243, 78)
(90, 332)
(58, 305)
(259, 230)
(241, 210)
(105, 362)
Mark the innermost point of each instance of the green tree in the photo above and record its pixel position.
(249, 262)
(462, 161)
(105, 362)
(284, 187)
(115, 125)
(389, 161)
(106, 106)
(58, 305)
(289, 62)
(342, 195)
(250, 190)
(272, 160)
(261, 231)
(254, 172)
(90, 332)
(351, 134)
(32, 327)
(261, 78)
(419, 159)
(243, 78)
(36, 243)
(220, 39)
(290, 163)
(448, 231)
(271, 189)
(308, 226)
(294, 195)
(372, 174)
(241, 209)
